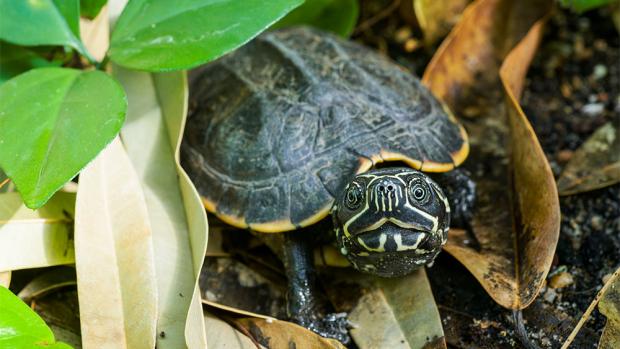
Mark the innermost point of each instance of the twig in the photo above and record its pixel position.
(454, 311)
(4, 182)
(586, 314)
(376, 18)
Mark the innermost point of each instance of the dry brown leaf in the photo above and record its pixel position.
(437, 17)
(114, 255)
(222, 335)
(517, 219)
(464, 70)
(236, 311)
(5, 279)
(610, 307)
(283, 334)
(397, 313)
(596, 164)
(36, 238)
(157, 107)
(95, 34)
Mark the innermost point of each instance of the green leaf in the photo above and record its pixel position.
(338, 16)
(15, 60)
(155, 36)
(41, 22)
(53, 121)
(584, 5)
(90, 8)
(21, 327)
(70, 11)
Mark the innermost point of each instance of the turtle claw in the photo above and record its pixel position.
(333, 325)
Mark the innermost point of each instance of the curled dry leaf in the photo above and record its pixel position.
(48, 282)
(114, 243)
(517, 219)
(222, 335)
(437, 17)
(5, 279)
(36, 238)
(283, 334)
(596, 164)
(157, 107)
(397, 313)
(95, 33)
(61, 313)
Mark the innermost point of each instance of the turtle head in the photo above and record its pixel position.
(391, 221)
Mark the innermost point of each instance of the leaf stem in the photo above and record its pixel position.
(102, 65)
(520, 330)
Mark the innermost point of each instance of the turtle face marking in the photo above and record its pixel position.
(391, 221)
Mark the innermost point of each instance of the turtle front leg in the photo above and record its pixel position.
(305, 304)
(461, 192)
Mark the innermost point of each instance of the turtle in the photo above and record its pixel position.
(300, 125)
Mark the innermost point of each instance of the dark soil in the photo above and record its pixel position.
(573, 88)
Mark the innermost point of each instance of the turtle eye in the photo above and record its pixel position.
(354, 196)
(419, 191)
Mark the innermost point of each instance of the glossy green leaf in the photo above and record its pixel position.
(70, 11)
(90, 8)
(338, 16)
(15, 60)
(41, 22)
(155, 35)
(53, 121)
(21, 327)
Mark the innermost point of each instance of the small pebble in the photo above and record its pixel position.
(565, 155)
(600, 71)
(566, 90)
(593, 109)
(597, 222)
(550, 295)
(402, 34)
(561, 280)
(412, 45)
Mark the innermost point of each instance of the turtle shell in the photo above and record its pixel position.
(278, 127)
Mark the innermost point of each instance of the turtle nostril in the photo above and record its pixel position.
(381, 188)
(390, 187)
